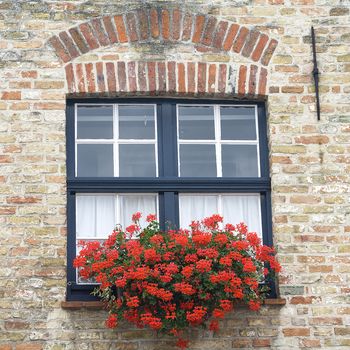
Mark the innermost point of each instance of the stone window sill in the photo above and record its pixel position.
(99, 305)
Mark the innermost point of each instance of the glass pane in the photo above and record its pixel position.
(196, 123)
(95, 215)
(137, 160)
(136, 122)
(238, 123)
(196, 208)
(197, 160)
(130, 204)
(239, 161)
(95, 122)
(95, 160)
(242, 208)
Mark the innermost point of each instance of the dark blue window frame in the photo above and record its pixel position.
(167, 185)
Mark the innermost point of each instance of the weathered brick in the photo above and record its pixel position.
(112, 35)
(211, 78)
(89, 36)
(100, 32)
(151, 70)
(165, 24)
(142, 76)
(250, 43)
(187, 27)
(110, 74)
(242, 79)
(176, 23)
(154, 23)
(262, 81)
(121, 31)
(191, 78)
(269, 52)
(181, 78)
(263, 39)
(162, 83)
(240, 39)
(59, 48)
(171, 77)
(11, 95)
(100, 77)
(198, 28)
(132, 77)
(78, 39)
(209, 31)
(90, 77)
(296, 332)
(131, 25)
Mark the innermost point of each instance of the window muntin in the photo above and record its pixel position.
(218, 141)
(125, 130)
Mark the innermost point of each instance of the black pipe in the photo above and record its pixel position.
(315, 73)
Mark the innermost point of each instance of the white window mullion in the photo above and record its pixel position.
(115, 140)
(75, 139)
(178, 140)
(257, 140)
(217, 140)
(117, 209)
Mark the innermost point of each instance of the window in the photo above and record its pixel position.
(180, 159)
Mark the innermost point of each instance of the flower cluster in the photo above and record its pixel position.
(172, 280)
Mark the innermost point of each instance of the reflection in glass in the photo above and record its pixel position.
(237, 123)
(95, 122)
(196, 123)
(239, 161)
(197, 161)
(136, 122)
(137, 160)
(95, 160)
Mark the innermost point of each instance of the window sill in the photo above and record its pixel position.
(99, 305)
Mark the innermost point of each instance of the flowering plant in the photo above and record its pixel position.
(172, 280)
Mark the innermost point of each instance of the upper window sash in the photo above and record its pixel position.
(203, 144)
(122, 150)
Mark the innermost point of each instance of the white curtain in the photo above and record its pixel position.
(196, 207)
(243, 208)
(130, 204)
(234, 208)
(95, 216)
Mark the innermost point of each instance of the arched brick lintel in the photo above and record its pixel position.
(159, 77)
(163, 25)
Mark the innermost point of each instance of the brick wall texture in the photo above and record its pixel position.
(246, 48)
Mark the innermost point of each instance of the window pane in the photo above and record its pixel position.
(196, 123)
(136, 122)
(242, 208)
(95, 160)
(137, 160)
(196, 207)
(238, 123)
(95, 215)
(197, 160)
(95, 122)
(239, 161)
(130, 204)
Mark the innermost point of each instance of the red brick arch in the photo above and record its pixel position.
(161, 25)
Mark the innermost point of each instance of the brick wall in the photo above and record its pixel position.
(248, 48)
